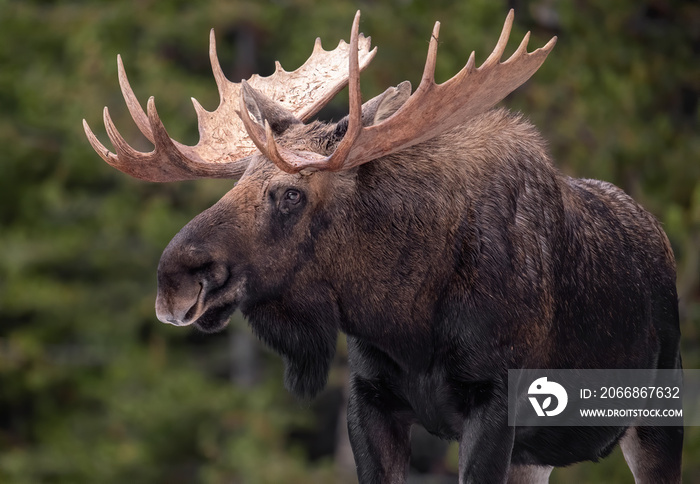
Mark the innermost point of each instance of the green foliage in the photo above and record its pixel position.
(92, 388)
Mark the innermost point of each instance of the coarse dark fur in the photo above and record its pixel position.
(446, 264)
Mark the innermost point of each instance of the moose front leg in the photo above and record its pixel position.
(379, 434)
(486, 444)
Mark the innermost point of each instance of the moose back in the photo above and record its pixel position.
(437, 234)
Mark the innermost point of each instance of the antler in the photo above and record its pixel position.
(224, 144)
(431, 110)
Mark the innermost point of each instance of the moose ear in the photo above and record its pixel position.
(265, 109)
(379, 107)
(387, 103)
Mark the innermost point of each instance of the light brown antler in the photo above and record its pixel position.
(431, 110)
(293, 162)
(224, 144)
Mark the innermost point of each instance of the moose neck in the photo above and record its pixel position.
(398, 250)
(418, 221)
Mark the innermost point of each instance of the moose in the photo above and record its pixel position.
(434, 231)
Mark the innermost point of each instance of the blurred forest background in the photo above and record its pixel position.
(93, 389)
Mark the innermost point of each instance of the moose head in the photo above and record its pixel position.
(280, 227)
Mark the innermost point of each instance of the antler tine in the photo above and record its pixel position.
(287, 160)
(219, 76)
(548, 46)
(273, 153)
(162, 141)
(336, 160)
(99, 148)
(132, 103)
(430, 62)
(497, 53)
(264, 141)
(522, 48)
(124, 150)
(255, 132)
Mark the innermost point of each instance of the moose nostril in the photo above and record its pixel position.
(191, 313)
(180, 308)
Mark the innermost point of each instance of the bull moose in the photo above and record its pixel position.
(437, 234)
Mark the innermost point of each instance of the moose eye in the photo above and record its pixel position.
(292, 196)
(291, 201)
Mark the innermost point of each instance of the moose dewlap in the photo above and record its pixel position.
(437, 234)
